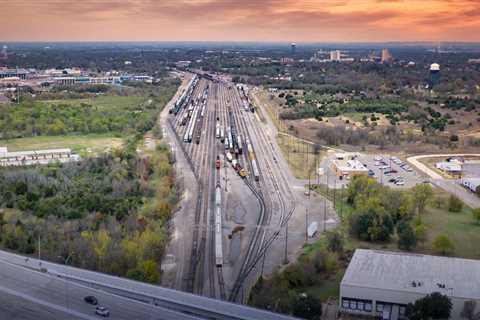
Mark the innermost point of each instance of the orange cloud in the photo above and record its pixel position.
(247, 20)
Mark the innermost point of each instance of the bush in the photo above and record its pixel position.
(455, 204)
(476, 215)
(407, 239)
(443, 245)
(335, 241)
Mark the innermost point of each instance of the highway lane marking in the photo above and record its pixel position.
(47, 304)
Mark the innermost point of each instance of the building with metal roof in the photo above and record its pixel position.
(381, 283)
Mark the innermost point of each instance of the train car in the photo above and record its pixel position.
(222, 134)
(226, 143)
(239, 144)
(218, 239)
(218, 227)
(256, 173)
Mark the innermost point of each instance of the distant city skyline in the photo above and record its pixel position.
(232, 20)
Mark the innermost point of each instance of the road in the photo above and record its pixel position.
(28, 293)
(449, 185)
(57, 291)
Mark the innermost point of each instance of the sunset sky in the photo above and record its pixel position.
(237, 20)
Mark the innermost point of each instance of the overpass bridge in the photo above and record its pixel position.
(38, 289)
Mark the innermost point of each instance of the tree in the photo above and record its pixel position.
(432, 306)
(307, 307)
(476, 215)
(421, 194)
(146, 271)
(335, 241)
(454, 204)
(421, 233)
(370, 222)
(407, 239)
(443, 245)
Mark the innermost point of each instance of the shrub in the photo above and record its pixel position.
(443, 245)
(454, 204)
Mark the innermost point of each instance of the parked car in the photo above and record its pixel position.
(91, 300)
(371, 173)
(400, 182)
(102, 311)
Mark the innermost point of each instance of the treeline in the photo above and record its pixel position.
(108, 213)
(339, 135)
(34, 118)
(334, 109)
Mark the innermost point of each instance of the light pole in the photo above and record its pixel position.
(67, 259)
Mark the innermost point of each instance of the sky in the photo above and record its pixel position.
(240, 20)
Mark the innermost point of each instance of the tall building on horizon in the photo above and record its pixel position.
(335, 55)
(386, 56)
(4, 53)
(293, 48)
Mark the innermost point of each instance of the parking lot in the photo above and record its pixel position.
(390, 170)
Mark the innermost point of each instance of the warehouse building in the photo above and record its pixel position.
(28, 158)
(380, 284)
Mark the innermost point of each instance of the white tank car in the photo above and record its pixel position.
(256, 173)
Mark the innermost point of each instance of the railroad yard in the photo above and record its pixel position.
(242, 195)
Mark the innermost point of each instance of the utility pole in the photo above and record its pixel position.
(324, 214)
(285, 258)
(39, 254)
(306, 224)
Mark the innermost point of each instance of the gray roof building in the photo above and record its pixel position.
(383, 283)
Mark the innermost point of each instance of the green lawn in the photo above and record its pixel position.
(91, 144)
(104, 101)
(459, 227)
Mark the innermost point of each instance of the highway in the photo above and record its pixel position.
(54, 291)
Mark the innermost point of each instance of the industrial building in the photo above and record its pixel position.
(346, 165)
(380, 284)
(451, 166)
(27, 158)
(13, 73)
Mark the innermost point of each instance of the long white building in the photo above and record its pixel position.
(381, 284)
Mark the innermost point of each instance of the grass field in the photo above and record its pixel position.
(104, 101)
(85, 145)
(300, 156)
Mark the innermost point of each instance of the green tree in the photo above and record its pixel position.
(421, 194)
(307, 307)
(432, 306)
(443, 245)
(454, 204)
(335, 241)
(476, 215)
(146, 271)
(421, 233)
(407, 239)
(370, 222)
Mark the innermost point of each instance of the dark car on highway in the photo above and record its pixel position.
(91, 300)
